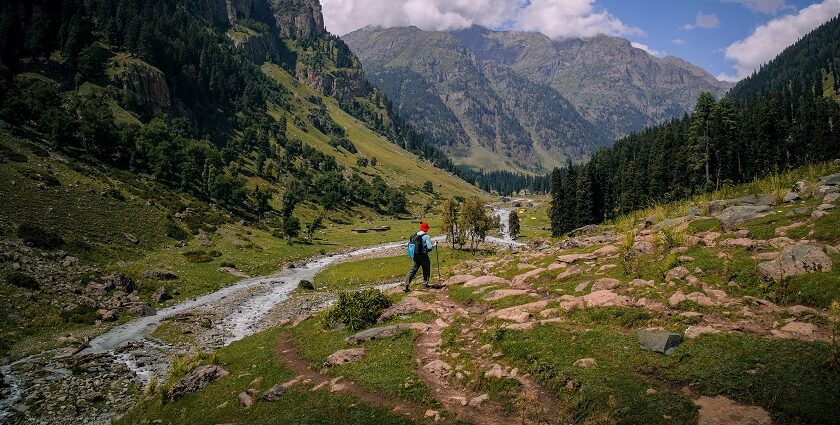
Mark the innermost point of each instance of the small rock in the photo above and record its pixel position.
(477, 401)
(659, 341)
(694, 331)
(274, 393)
(344, 356)
(246, 399)
(584, 363)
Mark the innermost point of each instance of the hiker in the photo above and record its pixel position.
(419, 247)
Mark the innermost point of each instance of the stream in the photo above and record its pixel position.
(245, 307)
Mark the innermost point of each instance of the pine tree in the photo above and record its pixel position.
(583, 195)
(513, 224)
(557, 203)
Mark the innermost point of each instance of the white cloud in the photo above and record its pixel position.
(555, 18)
(678, 41)
(703, 21)
(645, 47)
(770, 39)
(764, 6)
(565, 18)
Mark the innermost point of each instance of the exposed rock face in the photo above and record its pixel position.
(298, 18)
(795, 260)
(146, 82)
(196, 380)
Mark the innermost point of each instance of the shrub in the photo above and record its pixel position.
(227, 264)
(22, 280)
(39, 237)
(176, 232)
(306, 284)
(81, 314)
(201, 256)
(357, 310)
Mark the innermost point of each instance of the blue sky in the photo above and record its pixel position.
(729, 38)
(664, 25)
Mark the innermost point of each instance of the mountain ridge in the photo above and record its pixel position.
(573, 70)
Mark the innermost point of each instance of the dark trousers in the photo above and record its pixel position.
(420, 260)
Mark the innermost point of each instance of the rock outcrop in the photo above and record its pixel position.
(196, 380)
(795, 260)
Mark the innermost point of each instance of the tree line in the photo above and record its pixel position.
(752, 132)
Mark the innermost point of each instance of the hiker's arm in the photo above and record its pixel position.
(427, 240)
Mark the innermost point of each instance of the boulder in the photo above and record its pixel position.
(676, 298)
(795, 260)
(831, 198)
(571, 271)
(274, 393)
(606, 251)
(659, 341)
(519, 280)
(161, 295)
(736, 215)
(478, 401)
(831, 180)
(438, 367)
(723, 411)
(347, 355)
(485, 280)
(503, 293)
(519, 313)
(790, 196)
(678, 272)
(700, 299)
(605, 298)
(247, 397)
(385, 331)
(569, 303)
(644, 247)
(196, 380)
(408, 305)
(572, 258)
(821, 191)
(458, 279)
(605, 283)
(638, 283)
(160, 275)
(119, 282)
(141, 309)
(799, 328)
(584, 363)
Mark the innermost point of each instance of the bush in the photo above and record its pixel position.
(306, 284)
(227, 264)
(201, 256)
(39, 237)
(81, 314)
(357, 310)
(176, 232)
(22, 280)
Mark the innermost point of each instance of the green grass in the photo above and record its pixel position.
(246, 360)
(788, 377)
(355, 274)
(388, 365)
(814, 289)
(613, 391)
(704, 225)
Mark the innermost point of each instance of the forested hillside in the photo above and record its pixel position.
(782, 117)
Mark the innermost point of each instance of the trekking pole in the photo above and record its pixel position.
(437, 254)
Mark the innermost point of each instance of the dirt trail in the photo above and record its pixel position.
(286, 351)
(535, 404)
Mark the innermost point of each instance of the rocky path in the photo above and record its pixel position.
(534, 404)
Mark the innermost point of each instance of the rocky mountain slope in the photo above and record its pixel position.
(583, 92)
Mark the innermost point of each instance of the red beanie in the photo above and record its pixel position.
(424, 226)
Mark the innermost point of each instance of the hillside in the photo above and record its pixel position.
(141, 170)
(692, 313)
(488, 96)
(758, 130)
